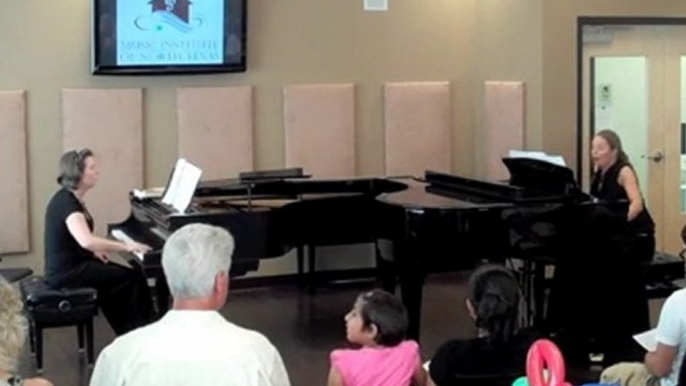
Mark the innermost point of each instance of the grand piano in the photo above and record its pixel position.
(436, 223)
(268, 213)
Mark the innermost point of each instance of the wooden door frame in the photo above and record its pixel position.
(583, 21)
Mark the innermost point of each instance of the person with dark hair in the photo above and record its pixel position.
(75, 257)
(378, 323)
(499, 350)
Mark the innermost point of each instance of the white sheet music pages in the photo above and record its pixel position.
(539, 155)
(182, 185)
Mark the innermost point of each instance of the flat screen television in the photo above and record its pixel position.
(168, 36)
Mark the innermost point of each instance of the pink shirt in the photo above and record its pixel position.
(379, 366)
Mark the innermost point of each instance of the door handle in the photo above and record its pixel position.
(656, 157)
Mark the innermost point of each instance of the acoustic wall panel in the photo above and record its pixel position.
(109, 122)
(14, 209)
(216, 129)
(504, 125)
(417, 127)
(319, 122)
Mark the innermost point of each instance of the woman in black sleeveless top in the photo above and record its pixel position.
(633, 242)
(614, 180)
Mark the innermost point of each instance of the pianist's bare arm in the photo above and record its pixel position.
(627, 179)
(78, 227)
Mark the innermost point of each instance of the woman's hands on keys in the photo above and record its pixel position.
(135, 247)
(102, 256)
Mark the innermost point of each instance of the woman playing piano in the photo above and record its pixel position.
(631, 243)
(615, 179)
(75, 257)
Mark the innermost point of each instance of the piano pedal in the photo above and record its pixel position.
(596, 357)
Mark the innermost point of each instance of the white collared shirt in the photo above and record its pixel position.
(190, 348)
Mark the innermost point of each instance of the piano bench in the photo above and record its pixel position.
(49, 307)
(663, 275)
(664, 289)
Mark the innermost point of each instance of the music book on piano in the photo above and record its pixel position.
(145, 194)
(181, 186)
(539, 155)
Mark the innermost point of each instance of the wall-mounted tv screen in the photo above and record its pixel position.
(168, 36)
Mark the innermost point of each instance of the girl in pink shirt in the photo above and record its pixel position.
(377, 322)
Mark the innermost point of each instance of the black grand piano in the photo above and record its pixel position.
(439, 222)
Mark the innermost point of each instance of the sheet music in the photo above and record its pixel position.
(182, 185)
(539, 155)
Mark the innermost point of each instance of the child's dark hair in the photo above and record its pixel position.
(387, 313)
(495, 296)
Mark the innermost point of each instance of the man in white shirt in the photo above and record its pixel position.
(193, 344)
(662, 366)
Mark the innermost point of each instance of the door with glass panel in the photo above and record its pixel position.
(626, 89)
(674, 136)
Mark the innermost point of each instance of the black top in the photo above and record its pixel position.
(478, 357)
(62, 251)
(605, 186)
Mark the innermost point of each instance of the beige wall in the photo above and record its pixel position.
(559, 60)
(294, 41)
(310, 41)
(508, 48)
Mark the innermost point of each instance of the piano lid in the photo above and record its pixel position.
(541, 176)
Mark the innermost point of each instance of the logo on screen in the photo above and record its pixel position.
(172, 13)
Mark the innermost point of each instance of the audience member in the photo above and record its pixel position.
(12, 338)
(499, 350)
(193, 344)
(377, 323)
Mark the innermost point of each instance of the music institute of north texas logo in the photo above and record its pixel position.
(169, 13)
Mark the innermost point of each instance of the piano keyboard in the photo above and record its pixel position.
(118, 234)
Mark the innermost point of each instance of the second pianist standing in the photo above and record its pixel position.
(75, 257)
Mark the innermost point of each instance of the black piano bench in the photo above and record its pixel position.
(664, 275)
(49, 307)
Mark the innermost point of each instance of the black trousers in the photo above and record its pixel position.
(598, 298)
(123, 294)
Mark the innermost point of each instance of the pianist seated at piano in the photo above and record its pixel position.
(75, 257)
(615, 179)
(498, 354)
(598, 300)
(193, 344)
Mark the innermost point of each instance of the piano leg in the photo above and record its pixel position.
(311, 267)
(301, 263)
(411, 277)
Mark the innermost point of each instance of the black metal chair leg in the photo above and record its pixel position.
(39, 348)
(89, 341)
(32, 337)
(79, 330)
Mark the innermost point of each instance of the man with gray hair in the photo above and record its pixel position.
(193, 344)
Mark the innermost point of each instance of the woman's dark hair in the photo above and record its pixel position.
(72, 166)
(615, 143)
(387, 313)
(495, 297)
